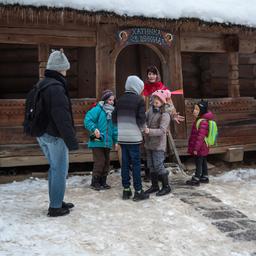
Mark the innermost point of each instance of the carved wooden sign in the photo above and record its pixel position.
(144, 35)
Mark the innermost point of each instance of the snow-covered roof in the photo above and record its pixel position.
(239, 12)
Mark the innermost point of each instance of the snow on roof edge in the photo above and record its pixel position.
(203, 20)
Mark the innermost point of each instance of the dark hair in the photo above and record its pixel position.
(153, 69)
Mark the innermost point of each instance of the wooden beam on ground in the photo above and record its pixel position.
(234, 154)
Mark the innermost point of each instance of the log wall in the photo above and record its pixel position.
(247, 74)
(19, 70)
(205, 75)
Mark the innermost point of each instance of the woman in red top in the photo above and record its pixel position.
(153, 82)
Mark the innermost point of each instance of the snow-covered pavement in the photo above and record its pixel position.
(103, 224)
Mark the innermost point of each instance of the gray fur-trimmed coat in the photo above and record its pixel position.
(158, 124)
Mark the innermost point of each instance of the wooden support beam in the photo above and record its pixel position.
(48, 32)
(43, 54)
(175, 65)
(105, 61)
(202, 44)
(233, 75)
(47, 39)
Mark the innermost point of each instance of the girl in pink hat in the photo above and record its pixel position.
(158, 122)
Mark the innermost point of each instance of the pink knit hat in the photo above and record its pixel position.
(168, 94)
(161, 94)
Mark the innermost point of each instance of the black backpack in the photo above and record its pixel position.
(35, 119)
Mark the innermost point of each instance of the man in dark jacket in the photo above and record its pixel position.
(130, 117)
(58, 136)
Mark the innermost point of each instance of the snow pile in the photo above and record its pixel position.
(222, 11)
(244, 175)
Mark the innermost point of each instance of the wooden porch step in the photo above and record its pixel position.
(31, 154)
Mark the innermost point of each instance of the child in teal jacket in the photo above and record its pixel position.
(103, 136)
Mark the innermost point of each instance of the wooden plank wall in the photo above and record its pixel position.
(17, 149)
(191, 75)
(12, 115)
(19, 70)
(236, 119)
(247, 74)
(82, 74)
(205, 75)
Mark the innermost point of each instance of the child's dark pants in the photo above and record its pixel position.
(201, 167)
(101, 161)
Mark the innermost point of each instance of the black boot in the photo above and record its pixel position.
(56, 212)
(204, 179)
(166, 189)
(103, 183)
(154, 187)
(147, 175)
(127, 193)
(140, 195)
(67, 205)
(96, 183)
(193, 182)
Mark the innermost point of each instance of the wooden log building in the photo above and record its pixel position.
(207, 60)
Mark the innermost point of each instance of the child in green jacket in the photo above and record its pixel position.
(103, 136)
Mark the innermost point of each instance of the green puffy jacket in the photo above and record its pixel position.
(96, 118)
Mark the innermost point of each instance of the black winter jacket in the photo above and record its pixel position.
(58, 107)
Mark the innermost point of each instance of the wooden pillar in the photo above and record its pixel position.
(43, 54)
(105, 63)
(175, 65)
(233, 75)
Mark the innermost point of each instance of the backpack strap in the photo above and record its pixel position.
(199, 121)
(198, 125)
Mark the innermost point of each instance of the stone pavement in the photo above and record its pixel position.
(228, 220)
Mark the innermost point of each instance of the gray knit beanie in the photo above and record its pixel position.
(58, 61)
(134, 84)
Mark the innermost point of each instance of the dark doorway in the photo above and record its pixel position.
(134, 60)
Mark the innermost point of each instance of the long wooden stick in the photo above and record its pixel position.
(172, 147)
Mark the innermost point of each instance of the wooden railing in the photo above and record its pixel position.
(236, 119)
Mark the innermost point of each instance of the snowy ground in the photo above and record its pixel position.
(103, 224)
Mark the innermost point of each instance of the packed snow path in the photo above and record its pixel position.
(216, 218)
